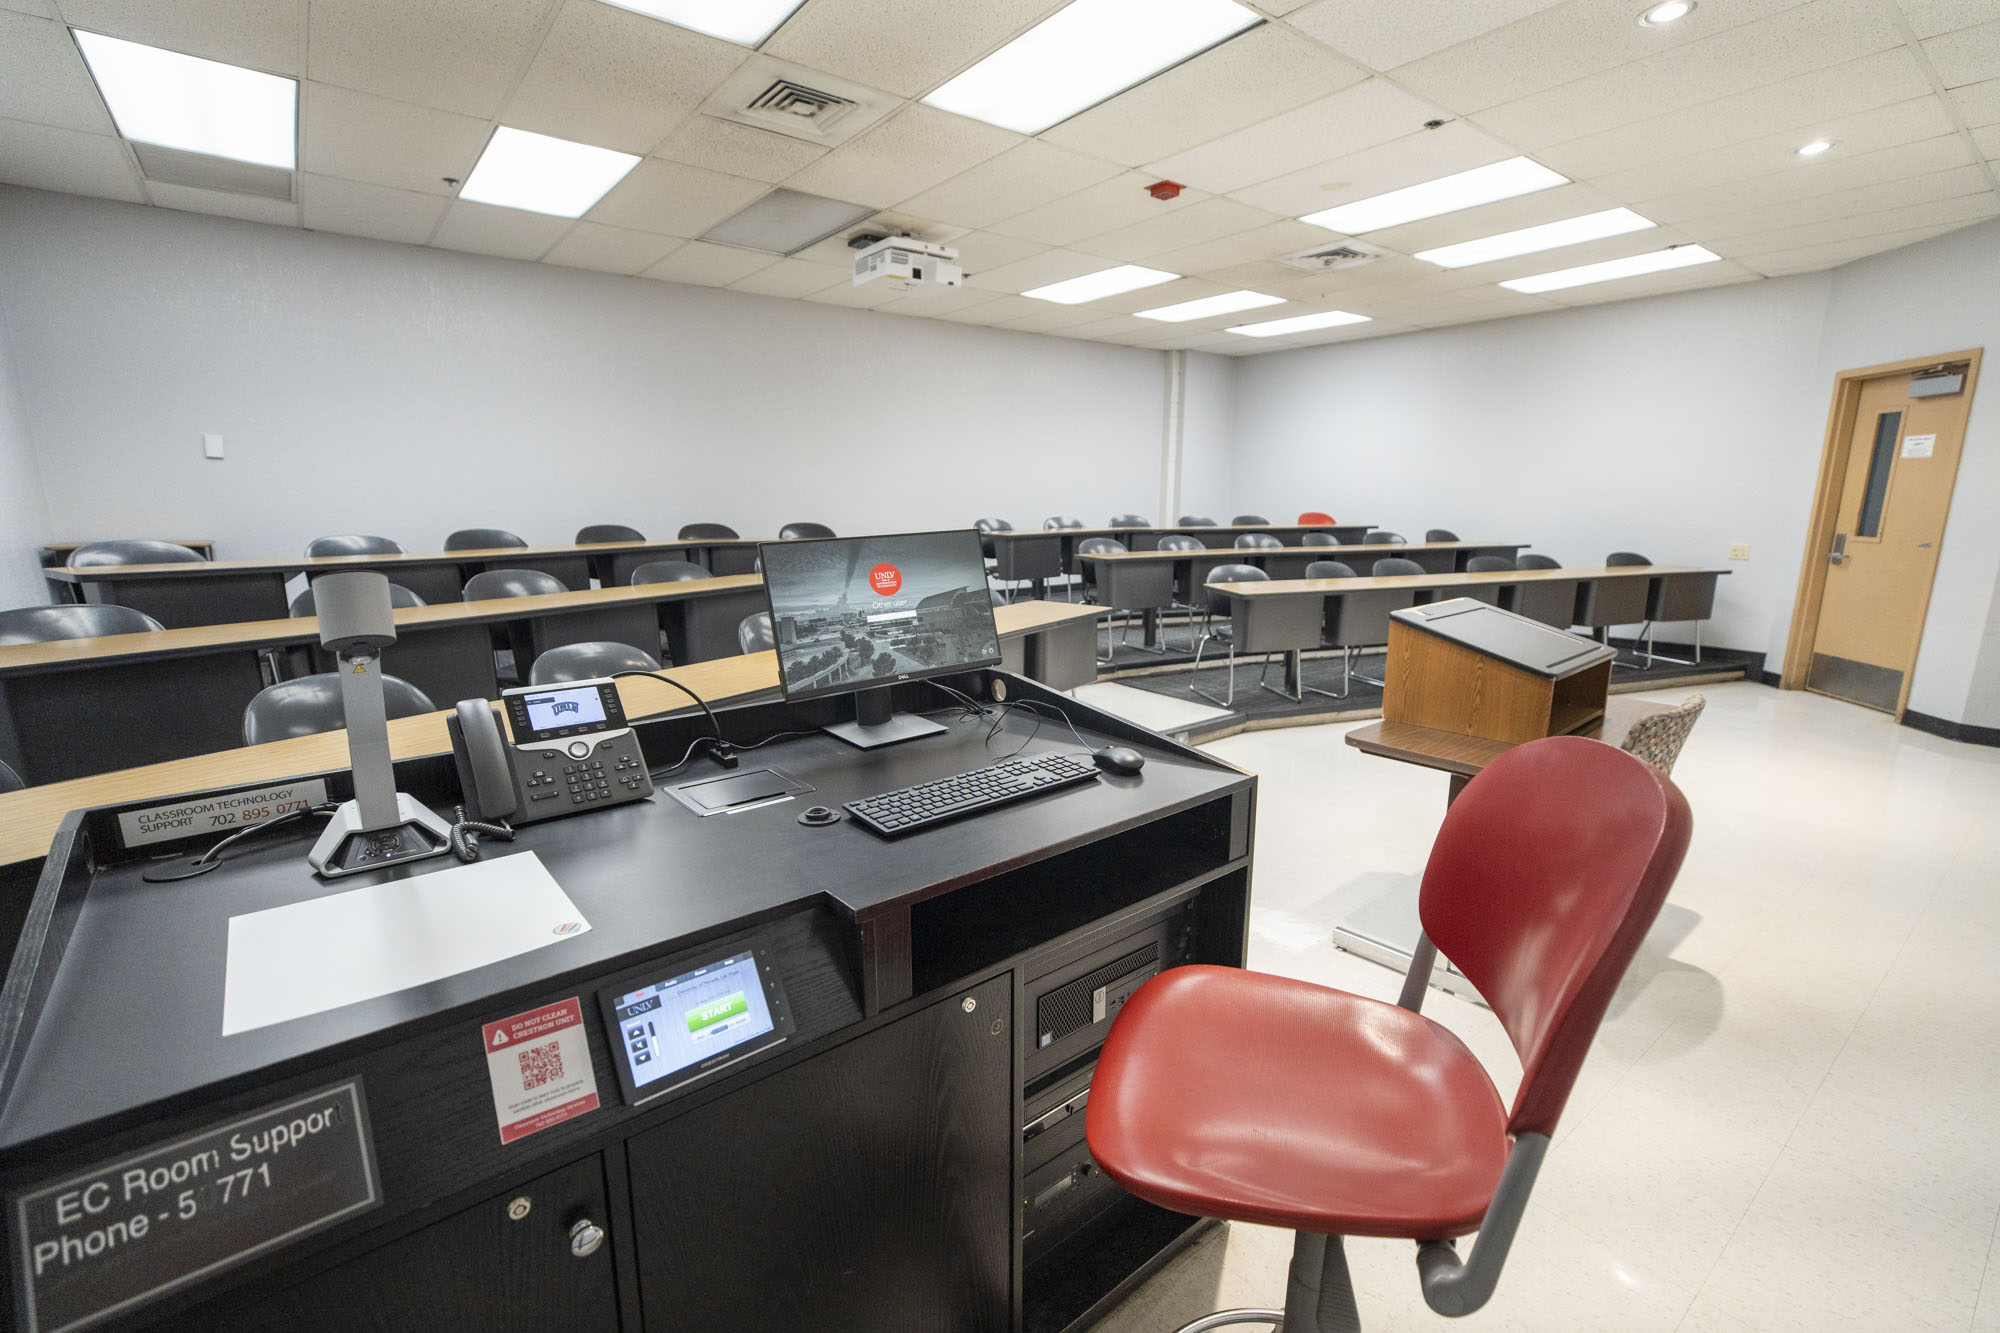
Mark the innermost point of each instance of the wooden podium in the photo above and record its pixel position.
(1471, 669)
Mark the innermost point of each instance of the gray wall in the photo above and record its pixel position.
(23, 517)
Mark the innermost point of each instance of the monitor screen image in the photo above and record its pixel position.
(853, 613)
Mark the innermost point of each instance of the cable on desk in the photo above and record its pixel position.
(166, 871)
(465, 834)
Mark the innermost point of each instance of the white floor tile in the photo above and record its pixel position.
(1155, 712)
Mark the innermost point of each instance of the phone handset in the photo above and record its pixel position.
(484, 772)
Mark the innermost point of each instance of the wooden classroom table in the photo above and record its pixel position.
(224, 591)
(1036, 557)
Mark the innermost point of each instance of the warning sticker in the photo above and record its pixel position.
(539, 1066)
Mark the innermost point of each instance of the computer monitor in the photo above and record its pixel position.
(854, 615)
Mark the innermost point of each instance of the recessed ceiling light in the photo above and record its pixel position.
(1085, 52)
(1105, 282)
(1657, 261)
(1528, 240)
(1815, 148)
(1272, 328)
(1673, 11)
(1226, 304)
(1447, 194)
(198, 106)
(785, 222)
(544, 175)
(747, 22)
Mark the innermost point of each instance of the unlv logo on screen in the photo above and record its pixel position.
(885, 579)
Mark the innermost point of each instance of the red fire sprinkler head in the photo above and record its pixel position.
(1165, 189)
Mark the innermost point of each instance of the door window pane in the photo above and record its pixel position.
(1887, 427)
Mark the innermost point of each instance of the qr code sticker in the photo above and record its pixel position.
(541, 1064)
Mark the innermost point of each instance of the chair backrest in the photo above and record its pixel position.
(1536, 562)
(1658, 739)
(1544, 878)
(94, 555)
(305, 605)
(1257, 541)
(1626, 558)
(588, 661)
(351, 544)
(711, 532)
(1329, 569)
(481, 539)
(1314, 516)
(1380, 537)
(511, 583)
(1318, 539)
(1391, 566)
(798, 531)
(607, 532)
(1179, 541)
(1247, 520)
(311, 704)
(1060, 521)
(45, 624)
(992, 525)
(1194, 521)
(1227, 574)
(1101, 546)
(669, 571)
(1129, 521)
(754, 633)
(1489, 564)
(1440, 535)
(9, 779)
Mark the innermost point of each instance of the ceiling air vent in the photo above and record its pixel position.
(791, 103)
(1326, 258)
(171, 166)
(769, 94)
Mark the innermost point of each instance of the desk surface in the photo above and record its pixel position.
(1465, 756)
(1322, 552)
(1393, 582)
(335, 563)
(192, 543)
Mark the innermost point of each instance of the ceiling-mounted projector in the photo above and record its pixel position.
(907, 264)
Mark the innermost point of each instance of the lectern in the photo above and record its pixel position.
(1471, 669)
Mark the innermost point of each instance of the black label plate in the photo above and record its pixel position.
(129, 1231)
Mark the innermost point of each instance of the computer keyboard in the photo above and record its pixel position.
(907, 809)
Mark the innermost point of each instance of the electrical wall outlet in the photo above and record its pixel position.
(1739, 551)
(211, 446)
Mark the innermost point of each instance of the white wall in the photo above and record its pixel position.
(23, 516)
(368, 387)
(1207, 441)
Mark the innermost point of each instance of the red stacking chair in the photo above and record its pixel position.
(1240, 1095)
(1315, 517)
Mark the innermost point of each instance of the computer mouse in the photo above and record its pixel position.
(1119, 759)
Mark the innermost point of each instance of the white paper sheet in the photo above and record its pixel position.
(288, 962)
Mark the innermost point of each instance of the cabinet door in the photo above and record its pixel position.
(480, 1271)
(868, 1188)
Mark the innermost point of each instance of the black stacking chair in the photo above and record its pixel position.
(399, 596)
(9, 779)
(1059, 522)
(351, 544)
(754, 633)
(1551, 601)
(1249, 521)
(707, 532)
(1379, 537)
(1603, 603)
(587, 661)
(669, 571)
(1193, 521)
(1394, 566)
(1209, 602)
(800, 531)
(46, 624)
(1102, 546)
(1361, 619)
(311, 704)
(1330, 634)
(481, 539)
(1256, 541)
(512, 583)
(1319, 539)
(1486, 592)
(1676, 598)
(607, 532)
(1329, 569)
(95, 555)
(1130, 521)
(1440, 535)
(1536, 562)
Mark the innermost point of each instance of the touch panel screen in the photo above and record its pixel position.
(670, 1030)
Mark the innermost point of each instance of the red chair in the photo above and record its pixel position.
(1239, 1095)
(1315, 517)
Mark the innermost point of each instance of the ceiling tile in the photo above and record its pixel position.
(908, 47)
(39, 8)
(835, 251)
(738, 150)
(1117, 202)
(1979, 103)
(1776, 216)
(1208, 220)
(43, 78)
(669, 199)
(355, 209)
(45, 157)
(1050, 317)
(1987, 139)
(1383, 34)
(1654, 284)
(616, 79)
(1275, 8)
(1822, 176)
(1025, 176)
(1807, 259)
(1965, 208)
(993, 312)
(269, 35)
(507, 232)
(1970, 55)
(910, 151)
(1528, 210)
(1039, 271)
(1247, 79)
(1779, 47)
(609, 249)
(1267, 242)
(223, 204)
(1409, 160)
(1928, 18)
(982, 251)
(1360, 117)
(358, 136)
(458, 55)
(793, 278)
(708, 265)
(935, 303)
(860, 298)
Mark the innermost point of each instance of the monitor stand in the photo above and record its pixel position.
(877, 723)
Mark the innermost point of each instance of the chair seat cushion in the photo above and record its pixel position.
(1256, 1098)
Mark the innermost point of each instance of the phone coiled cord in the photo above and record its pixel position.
(465, 834)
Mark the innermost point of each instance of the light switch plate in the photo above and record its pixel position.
(1739, 551)
(211, 446)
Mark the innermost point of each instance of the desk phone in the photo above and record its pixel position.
(571, 750)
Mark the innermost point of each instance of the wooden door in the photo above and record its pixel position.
(1901, 458)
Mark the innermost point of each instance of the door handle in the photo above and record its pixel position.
(1838, 555)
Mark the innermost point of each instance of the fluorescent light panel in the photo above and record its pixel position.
(747, 22)
(1656, 261)
(1272, 328)
(1082, 54)
(785, 222)
(544, 175)
(1226, 304)
(1105, 282)
(195, 105)
(1447, 194)
(1529, 240)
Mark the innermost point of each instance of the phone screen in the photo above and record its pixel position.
(552, 709)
